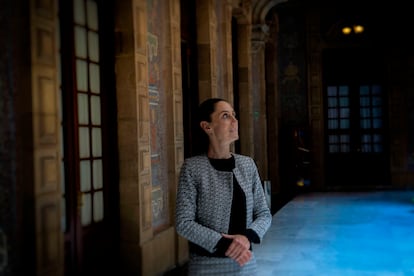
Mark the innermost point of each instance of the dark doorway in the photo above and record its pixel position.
(193, 137)
(355, 119)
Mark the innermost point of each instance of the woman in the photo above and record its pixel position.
(221, 208)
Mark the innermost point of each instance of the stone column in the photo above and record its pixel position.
(258, 91)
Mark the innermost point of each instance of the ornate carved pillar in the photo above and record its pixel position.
(207, 69)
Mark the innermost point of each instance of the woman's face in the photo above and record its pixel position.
(223, 126)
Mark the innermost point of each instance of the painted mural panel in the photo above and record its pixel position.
(157, 45)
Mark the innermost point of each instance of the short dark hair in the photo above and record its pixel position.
(207, 107)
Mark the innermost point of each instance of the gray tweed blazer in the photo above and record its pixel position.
(204, 199)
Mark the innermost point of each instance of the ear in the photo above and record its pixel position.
(205, 125)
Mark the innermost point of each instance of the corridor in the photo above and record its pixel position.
(341, 233)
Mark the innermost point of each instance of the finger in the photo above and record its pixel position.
(244, 258)
(233, 252)
(235, 249)
(242, 241)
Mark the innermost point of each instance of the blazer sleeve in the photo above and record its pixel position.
(186, 212)
(262, 216)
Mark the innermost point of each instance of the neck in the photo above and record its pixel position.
(218, 154)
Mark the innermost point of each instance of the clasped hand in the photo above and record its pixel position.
(239, 249)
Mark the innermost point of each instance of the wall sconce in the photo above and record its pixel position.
(346, 30)
(357, 29)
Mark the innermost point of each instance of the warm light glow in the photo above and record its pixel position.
(346, 30)
(358, 29)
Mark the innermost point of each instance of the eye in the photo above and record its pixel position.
(228, 115)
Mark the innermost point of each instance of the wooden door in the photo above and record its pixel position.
(90, 185)
(355, 95)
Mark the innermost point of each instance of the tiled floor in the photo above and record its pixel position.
(338, 234)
